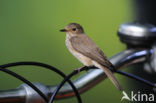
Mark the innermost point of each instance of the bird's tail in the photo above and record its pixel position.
(109, 75)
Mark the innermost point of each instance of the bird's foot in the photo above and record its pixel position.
(78, 70)
(81, 69)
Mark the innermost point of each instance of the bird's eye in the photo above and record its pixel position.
(74, 29)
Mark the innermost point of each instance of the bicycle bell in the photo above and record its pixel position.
(137, 34)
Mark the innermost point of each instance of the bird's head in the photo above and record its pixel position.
(73, 28)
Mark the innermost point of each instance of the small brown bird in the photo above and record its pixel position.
(86, 51)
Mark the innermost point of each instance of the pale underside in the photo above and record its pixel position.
(83, 59)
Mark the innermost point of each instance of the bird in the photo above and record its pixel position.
(87, 52)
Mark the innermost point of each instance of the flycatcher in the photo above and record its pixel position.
(86, 51)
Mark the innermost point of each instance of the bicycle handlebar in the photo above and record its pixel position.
(25, 94)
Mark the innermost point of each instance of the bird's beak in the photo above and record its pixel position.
(63, 30)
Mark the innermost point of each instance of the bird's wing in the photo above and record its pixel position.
(83, 44)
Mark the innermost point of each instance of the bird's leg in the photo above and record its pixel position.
(81, 68)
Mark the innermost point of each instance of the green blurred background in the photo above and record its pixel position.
(29, 31)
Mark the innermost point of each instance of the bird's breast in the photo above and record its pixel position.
(83, 59)
(71, 49)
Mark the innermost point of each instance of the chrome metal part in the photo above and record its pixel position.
(153, 61)
(137, 29)
(32, 96)
(150, 65)
(17, 95)
(136, 33)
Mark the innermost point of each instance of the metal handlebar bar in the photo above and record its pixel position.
(25, 94)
